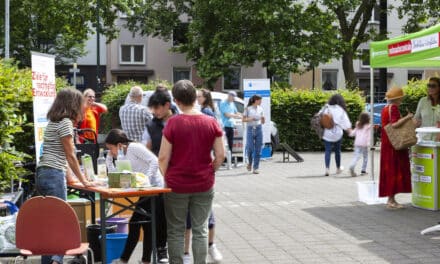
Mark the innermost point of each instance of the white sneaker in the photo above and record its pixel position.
(186, 259)
(118, 261)
(352, 173)
(215, 253)
(339, 170)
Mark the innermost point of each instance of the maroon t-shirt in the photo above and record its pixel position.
(190, 168)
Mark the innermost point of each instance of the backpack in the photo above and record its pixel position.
(322, 120)
(315, 124)
(326, 120)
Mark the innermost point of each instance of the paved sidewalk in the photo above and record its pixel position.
(291, 213)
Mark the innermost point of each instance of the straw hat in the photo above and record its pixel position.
(394, 93)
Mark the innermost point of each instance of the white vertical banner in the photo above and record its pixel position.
(262, 88)
(44, 92)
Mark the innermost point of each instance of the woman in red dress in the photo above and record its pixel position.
(395, 174)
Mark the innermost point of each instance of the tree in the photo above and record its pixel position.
(352, 17)
(58, 27)
(419, 14)
(285, 35)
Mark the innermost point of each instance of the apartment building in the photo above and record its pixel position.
(87, 69)
(144, 58)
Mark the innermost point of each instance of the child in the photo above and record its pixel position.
(361, 133)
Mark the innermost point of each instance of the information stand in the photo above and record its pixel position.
(424, 169)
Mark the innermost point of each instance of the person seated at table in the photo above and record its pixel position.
(144, 161)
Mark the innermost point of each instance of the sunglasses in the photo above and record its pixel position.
(91, 96)
(431, 85)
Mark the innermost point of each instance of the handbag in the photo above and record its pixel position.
(404, 136)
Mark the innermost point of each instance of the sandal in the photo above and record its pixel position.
(395, 205)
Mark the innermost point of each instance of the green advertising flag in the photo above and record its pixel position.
(420, 49)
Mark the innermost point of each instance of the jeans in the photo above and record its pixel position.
(254, 142)
(358, 151)
(135, 226)
(177, 206)
(51, 182)
(229, 131)
(328, 151)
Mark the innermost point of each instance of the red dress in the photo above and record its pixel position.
(395, 174)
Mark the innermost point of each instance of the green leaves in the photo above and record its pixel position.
(58, 27)
(415, 90)
(286, 36)
(292, 111)
(114, 98)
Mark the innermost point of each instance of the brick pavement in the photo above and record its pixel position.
(291, 213)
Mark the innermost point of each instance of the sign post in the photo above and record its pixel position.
(262, 88)
(43, 92)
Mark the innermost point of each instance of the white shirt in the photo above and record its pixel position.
(142, 160)
(341, 120)
(254, 112)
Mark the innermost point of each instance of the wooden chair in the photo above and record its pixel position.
(48, 226)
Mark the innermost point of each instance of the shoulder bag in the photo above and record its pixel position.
(403, 136)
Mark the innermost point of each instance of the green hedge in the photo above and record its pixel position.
(114, 98)
(413, 92)
(292, 111)
(16, 119)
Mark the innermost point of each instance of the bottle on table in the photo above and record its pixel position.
(122, 163)
(102, 167)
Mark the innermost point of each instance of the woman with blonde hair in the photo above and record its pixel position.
(92, 114)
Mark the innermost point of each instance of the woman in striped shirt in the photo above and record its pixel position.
(59, 151)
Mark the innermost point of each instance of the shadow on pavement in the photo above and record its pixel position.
(393, 235)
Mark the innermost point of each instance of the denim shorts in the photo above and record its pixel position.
(51, 182)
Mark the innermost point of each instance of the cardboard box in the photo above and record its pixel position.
(83, 211)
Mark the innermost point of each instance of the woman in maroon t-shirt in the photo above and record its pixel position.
(186, 162)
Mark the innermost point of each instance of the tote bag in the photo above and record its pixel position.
(404, 136)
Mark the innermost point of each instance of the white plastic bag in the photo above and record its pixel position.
(7, 231)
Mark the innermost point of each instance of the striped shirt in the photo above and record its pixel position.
(134, 118)
(53, 151)
(142, 160)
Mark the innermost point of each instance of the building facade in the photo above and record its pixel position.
(87, 71)
(144, 58)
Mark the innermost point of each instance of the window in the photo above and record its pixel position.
(232, 79)
(365, 58)
(415, 75)
(179, 34)
(183, 73)
(329, 79)
(132, 54)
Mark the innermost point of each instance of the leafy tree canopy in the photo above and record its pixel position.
(58, 27)
(287, 36)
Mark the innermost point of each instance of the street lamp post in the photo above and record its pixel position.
(98, 59)
(6, 29)
(74, 74)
